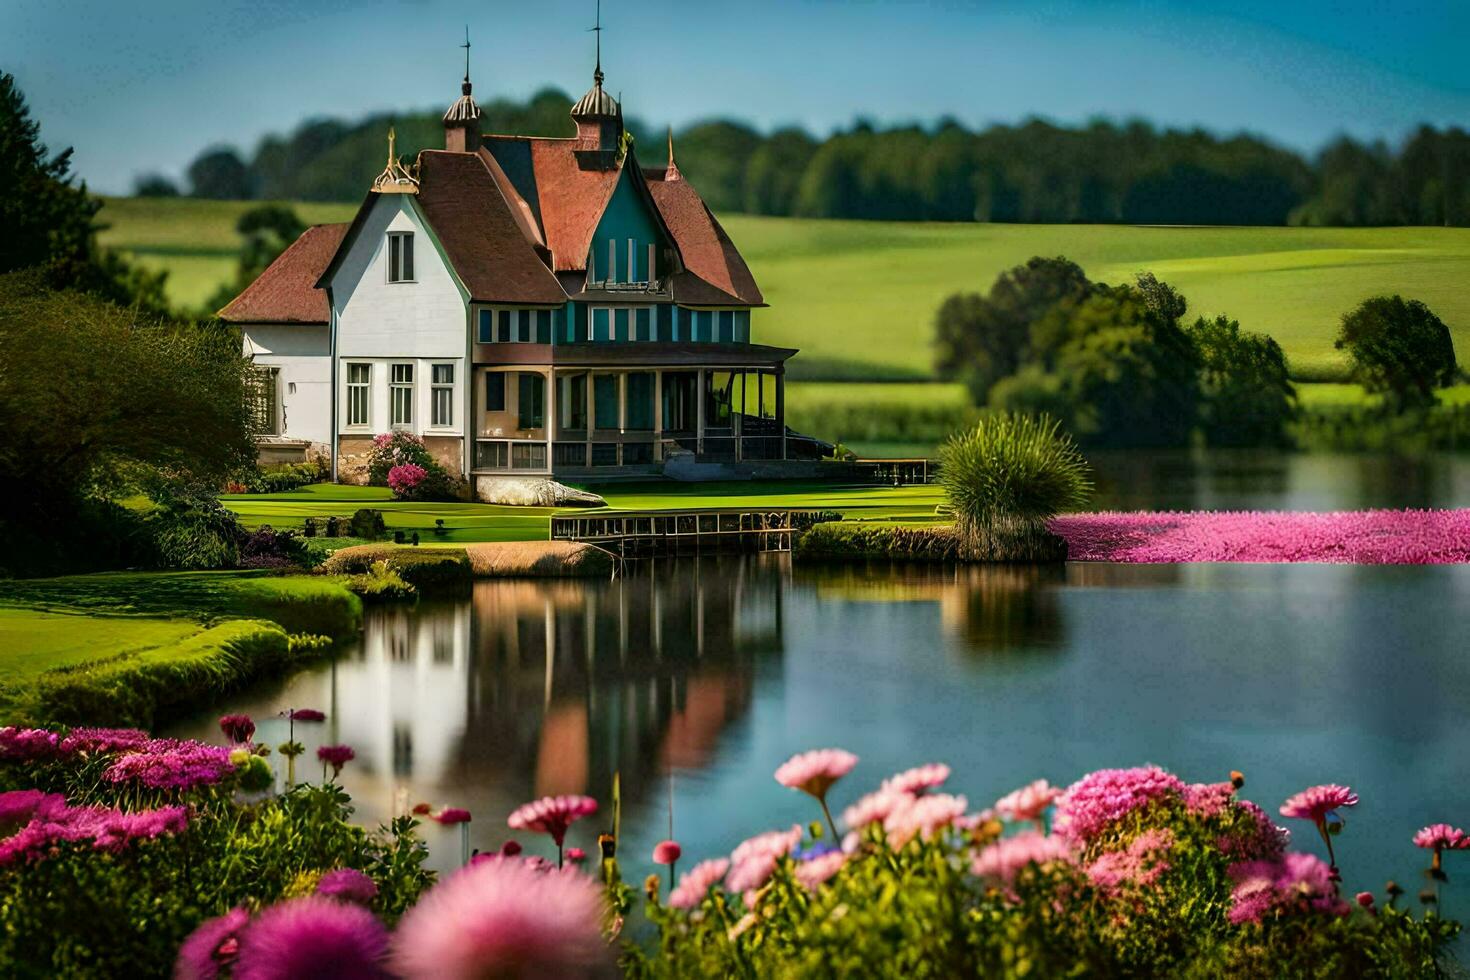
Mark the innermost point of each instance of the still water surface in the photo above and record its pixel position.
(710, 673)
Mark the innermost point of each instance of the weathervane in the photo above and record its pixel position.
(597, 29)
(466, 46)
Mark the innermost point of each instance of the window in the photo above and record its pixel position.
(572, 409)
(640, 401)
(359, 379)
(643, 329)
(495, 392)
(727, 327)
(620, 325)
(265, 404)
(601, 323)
(401, 394)
(532, 405)
(400, 256)
(605, 401)
(543, 326)
(442, 409)
(487, 327)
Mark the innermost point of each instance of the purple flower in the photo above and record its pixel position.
(1296, 884)
(19, 807)
(237, 728)
(335, 756)
(103, 740)
(312, 937)
(27, 744)
(214, 944)
(306, 714)
(37, 821)
(165, 763)
(348, 884)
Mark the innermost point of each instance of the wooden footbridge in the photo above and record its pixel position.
(663, 533)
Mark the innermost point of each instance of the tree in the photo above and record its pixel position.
(774, 173)
(48, 220)
(714, 155)
(981, 339)
(92, 394)
(1400, 348)
(219, 174)
(1247, 399)
(155, 185)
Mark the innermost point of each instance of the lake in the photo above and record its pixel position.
(699, 677)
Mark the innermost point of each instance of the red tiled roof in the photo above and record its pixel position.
(286, 291)
(572, 199)
(716, 274)
(482, 233)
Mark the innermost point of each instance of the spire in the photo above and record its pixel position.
(672, 173)
(597, 30)
(396, 178)
(462, 119)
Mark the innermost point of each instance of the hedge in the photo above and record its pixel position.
(862, 541)
(426, 569)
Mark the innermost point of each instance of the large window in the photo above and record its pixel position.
(605, 401)
(640, 401)
(265, 400)
(572, 409)
(443, 395)
(401, 394)
(532, 405)
(359, 381)
(515, 326)
(495, 392)
(400, 256)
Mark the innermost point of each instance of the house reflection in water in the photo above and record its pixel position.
(533, 688)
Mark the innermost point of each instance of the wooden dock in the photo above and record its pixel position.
(663, 533)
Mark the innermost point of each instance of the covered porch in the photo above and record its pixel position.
(584, 418)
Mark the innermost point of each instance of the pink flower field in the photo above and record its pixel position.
(1367, 537)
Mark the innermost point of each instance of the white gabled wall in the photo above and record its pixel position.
(381, 323)
(302, 354)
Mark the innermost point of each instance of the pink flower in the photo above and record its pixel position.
(19, 807)
(176, 764)
(695, 883)
(753, 861)
(510, 848)
(666, 852)
(312, 937)
(1297, 883)
(923, 816)
(917, 780)
(306, 714)
(104, 740)
(1442, 837)
(451, 815)
(1030, 802)
(1095, 801)
(348, 884)
(874, 808)
(237, 728)
(1139, 865)
(813, 873)
(1001, 861)
(214, 944)
(552, 815)
(816, 771)
(1316, 803)
(335, 756)
(502, 918)
(403, 478)
(1364, 900)
(576, 855)
(27, 744)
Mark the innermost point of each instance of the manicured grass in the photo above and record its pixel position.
(859, 297)
(488, 522)
(36, 641)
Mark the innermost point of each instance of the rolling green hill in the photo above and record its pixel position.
(858, 297)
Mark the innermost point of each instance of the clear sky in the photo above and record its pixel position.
(144, 85)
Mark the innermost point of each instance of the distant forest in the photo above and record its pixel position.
(1033, 172)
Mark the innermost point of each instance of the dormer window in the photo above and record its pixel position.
(400, 256)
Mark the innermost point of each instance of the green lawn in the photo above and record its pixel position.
(489, 522)
(859, 297)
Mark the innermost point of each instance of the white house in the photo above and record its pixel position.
(525, 305)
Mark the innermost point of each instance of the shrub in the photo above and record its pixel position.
(368, 523)
(380, 584)
(191, 529)
(1005, 477)
(426, 569)
(268, 548)
(1247, 397)
(403, 449)
(860, 540)
(405, 478)
(1400, 348)
(285, 477)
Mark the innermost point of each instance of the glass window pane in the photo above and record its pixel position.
(523, 326)
(503, 323)
(495, 392)
(601, 323)
(487, 327)
(640, 401)
(645, 318)
(532, 407)
(393, 251)
(620, 321)
(543, 326)
(605, 401)
(444, 374)
(727, 327)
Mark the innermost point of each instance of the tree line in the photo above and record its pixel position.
(1102, 172)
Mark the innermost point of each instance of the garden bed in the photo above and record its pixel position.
(1369, 537)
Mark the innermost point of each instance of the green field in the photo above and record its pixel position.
(858, 298)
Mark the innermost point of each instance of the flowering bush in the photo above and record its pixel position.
(419, 475)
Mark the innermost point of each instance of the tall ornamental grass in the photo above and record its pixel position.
(1005, 478)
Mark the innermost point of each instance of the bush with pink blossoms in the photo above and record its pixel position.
(419, 476)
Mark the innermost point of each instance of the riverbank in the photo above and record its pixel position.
(139, 648)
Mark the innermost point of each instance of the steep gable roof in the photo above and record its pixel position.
(570, 194)
(287, 291)
(716, 274)
(482, 235)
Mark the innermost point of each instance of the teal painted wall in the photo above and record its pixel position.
(627, 216)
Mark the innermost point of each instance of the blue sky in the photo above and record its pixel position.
(144, 85)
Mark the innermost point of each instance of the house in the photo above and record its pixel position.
(526, 305)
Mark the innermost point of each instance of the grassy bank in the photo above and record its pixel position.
(130, 648)
(859, 297)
